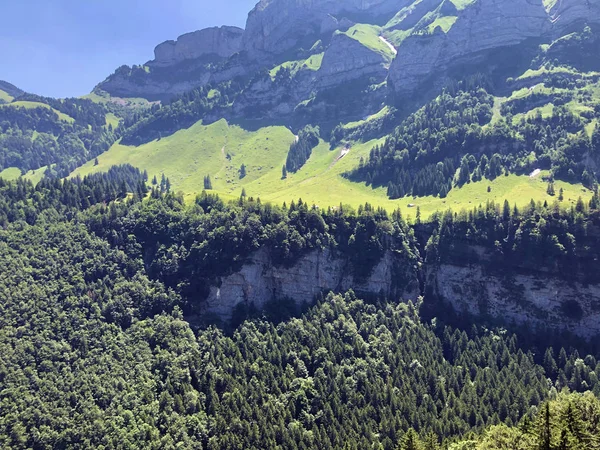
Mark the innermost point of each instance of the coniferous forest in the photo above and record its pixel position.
(100, 349)
(314, 232)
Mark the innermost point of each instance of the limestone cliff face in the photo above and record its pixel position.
(259, 281)
(276, 26)
(220, 42)
(346, 59)
(567, 14)
(484, 26)
(536, 298)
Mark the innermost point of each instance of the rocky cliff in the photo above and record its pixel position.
(480, 31)
(484, 26)
(536, 296)
(260, 281)
(217, 42)
(520, 294)
(277, 26)
(346, 59)
(568, 15)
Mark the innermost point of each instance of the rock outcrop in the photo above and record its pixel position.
(537, 298)
(484, 26)
(259, 281)
(410, 15)
(568, 15)
(220, 42)
(277, 26)
(346, 60)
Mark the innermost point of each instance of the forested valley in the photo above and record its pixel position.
(98, 351)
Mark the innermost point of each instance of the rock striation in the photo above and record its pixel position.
(566, 15)
(484, 26)
(538, 297)
(534, 297)
(221, 42)
(346, 60)
(277, 26)
(259, 281)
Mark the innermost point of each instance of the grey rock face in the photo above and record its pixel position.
(346, 59)
(484, 26)
(409, 16)
(220, 42)
(569, 13)
(259, 282)
(538, 299)
(276, 26)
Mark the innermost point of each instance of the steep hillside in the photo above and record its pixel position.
(39, 133)
(418, 103)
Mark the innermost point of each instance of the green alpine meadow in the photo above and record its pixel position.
(348, 225)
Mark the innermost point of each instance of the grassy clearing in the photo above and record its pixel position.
(531, 73)
(10, 173)
(189, 155)
(32, 105)
(549, 4)
(590, 127)
(378, 115)
(462, 4)
(312, 63)
(445, 23)
(546, 111)
(396, 37)
(113, 120)
(130, 102)
(217, 150)
(35, 176)
(368, 35)
(4, 96)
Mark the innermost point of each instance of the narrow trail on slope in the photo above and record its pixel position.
(389, 44)
(343, 153)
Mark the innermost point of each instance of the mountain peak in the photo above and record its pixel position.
(221, 42)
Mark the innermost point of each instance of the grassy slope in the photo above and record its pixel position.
(368, 35)
(113, 120)
(5, 96)
(31, 105)
(312, 63)
(10, 173)
(445, 23)
(189, 155)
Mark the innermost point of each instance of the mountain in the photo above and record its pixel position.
(355, 224)
(8, 92)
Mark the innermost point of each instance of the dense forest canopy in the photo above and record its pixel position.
(107, 340)
(33, 135)
(99, 352)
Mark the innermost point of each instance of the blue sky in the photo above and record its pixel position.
(63, 48)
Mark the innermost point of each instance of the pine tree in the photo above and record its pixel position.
(207, 182)
(545, 432)
(242, 171)
(506, 211)
(561, 195)
(283, 172)
(411, 441)
(580, 206)
(550, 189)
